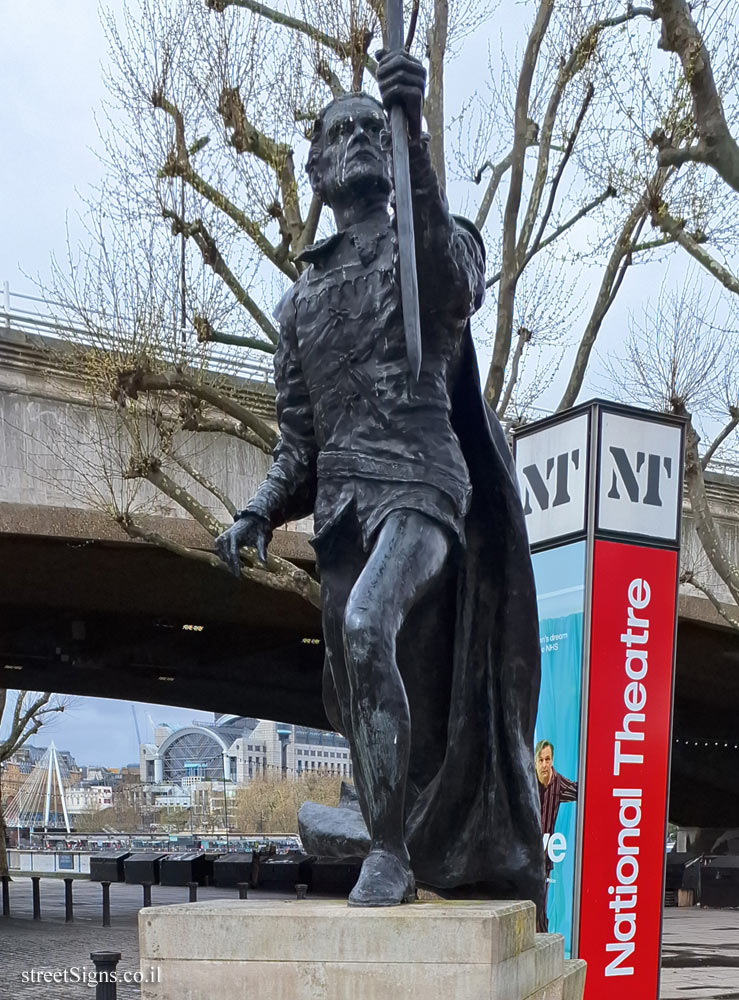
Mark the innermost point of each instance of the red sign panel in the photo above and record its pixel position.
(627, 758)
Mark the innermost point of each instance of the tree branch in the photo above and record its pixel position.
(498, 172)
(524, 336)
(506, 295)
(613, 276)
(194, 420)
(675, 228)
(555, 185)
(213, 257)
(325, 73)
(311, 224)
(716, 146)
(247, 138)
(687, 577)
(434, 104)
(705, 526)
(178, 164)
(721, 437)
(206, 334)
(279, 575)
(579, 57)
(135, 380)
(342, 49)
(595, 203)
(203, 481)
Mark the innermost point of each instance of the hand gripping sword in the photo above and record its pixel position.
(403, 204)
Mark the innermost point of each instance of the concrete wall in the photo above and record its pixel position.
(56, 449)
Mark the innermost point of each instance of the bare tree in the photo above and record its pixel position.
(559, 158)
(680, 359)
(21, 718)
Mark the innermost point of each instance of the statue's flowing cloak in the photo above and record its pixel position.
(496, 845)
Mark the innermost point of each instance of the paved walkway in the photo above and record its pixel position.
(700, 954)
(700, 947)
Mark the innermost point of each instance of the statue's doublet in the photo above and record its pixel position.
(381, 441)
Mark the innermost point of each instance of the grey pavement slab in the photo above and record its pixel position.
(700, 954)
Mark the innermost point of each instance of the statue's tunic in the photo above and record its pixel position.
(356, 429)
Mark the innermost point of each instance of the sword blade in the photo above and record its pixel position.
(404, 206)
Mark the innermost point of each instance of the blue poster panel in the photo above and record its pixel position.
(560, 587)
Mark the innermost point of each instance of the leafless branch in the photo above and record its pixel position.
(203, 480)
(509, 264)
(705, 526)
(279, 575)
(716, 146)
(342, 49)
(675, 228)
(721, 437)
(687, 577)
(498, 171)
(213, 258)
(524, 336)
(560, 230)
(133, 381)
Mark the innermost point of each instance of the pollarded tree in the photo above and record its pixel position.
(199, 229)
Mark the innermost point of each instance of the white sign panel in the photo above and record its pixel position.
(639, 486)
(552, 471)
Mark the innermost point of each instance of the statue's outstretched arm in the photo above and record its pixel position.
(450, 256)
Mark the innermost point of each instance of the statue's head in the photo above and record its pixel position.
(347, 156)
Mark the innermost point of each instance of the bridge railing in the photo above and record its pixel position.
(35, 315)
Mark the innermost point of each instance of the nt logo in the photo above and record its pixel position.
(638, 481)
(641, 481)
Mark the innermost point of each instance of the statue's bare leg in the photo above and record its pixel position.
(409, 554)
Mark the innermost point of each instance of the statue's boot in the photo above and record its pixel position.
(383, 881)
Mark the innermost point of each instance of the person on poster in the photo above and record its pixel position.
(554, 789)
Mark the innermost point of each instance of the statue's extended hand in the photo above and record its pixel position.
(402, 80)
(250, 531)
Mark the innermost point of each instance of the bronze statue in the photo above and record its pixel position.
(429, 611)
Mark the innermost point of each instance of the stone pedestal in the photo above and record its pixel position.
(324, 950)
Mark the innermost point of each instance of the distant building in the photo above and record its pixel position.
(88, 798)
(237, 749)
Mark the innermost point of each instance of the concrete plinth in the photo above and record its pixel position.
(324, 950)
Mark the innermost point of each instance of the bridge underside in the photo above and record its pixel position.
(704, 789)
(107, 618)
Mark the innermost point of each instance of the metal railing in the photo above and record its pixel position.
(42, 317)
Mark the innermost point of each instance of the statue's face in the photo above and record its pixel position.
(352, 157)
(544, 764)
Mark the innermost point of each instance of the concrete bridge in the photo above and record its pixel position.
(86, 610)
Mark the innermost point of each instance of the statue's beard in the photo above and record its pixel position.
(357, 184)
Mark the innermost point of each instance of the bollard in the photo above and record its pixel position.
(68, 913)
(243, 888)
(147, 893)
(35, 880)
(193, 887)
(106, 903)
(6, 895)
(300, 890)
(105, 963)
